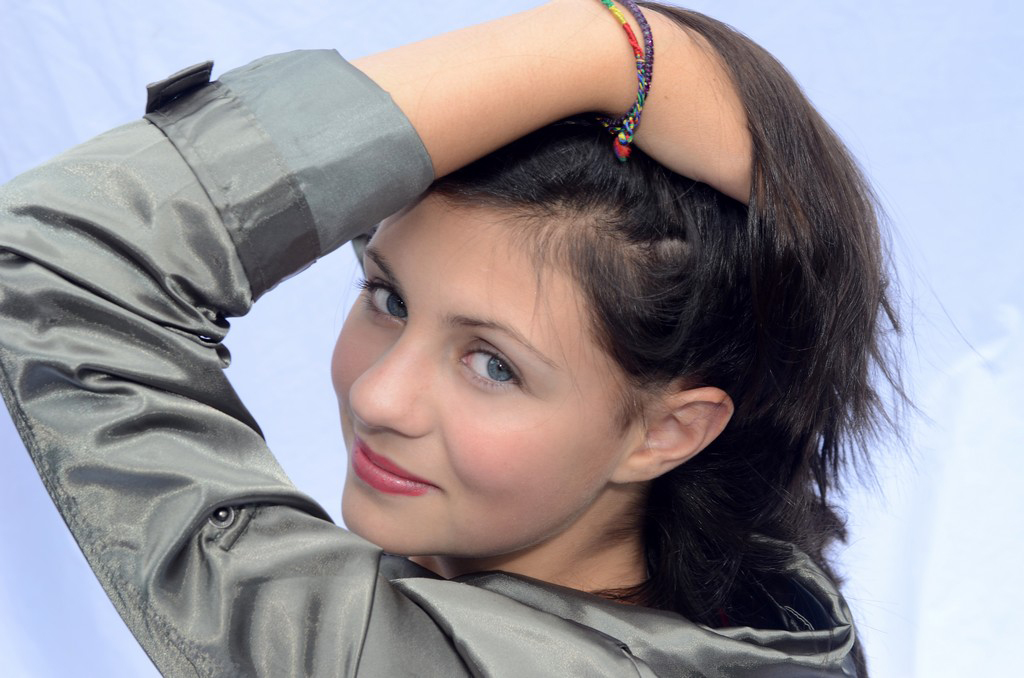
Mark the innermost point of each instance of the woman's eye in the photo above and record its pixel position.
(386, 301)
(491, 367)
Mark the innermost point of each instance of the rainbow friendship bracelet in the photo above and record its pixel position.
(625, 126)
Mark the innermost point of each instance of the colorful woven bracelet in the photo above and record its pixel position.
(624, 127)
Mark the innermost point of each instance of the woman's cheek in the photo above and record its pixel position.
(495, 448)
(532, 457)
(484, 464)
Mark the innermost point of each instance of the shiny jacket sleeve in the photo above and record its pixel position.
(120, 261)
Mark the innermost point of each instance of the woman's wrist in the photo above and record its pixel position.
(693, 121)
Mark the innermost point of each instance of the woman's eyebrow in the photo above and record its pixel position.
(384, 267)
(466, 321)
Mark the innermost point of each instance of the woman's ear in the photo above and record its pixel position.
(678, 426)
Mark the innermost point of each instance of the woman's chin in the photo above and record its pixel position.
(380, 532)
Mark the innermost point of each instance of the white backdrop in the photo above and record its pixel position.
(927, 94)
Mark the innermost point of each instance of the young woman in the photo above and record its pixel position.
(593, 408)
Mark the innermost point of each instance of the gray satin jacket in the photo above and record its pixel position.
(119, 262)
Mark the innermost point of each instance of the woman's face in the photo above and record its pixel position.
(480, 415)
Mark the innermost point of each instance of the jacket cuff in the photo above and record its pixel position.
(299, 153)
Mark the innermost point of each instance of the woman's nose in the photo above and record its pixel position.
(394, 392)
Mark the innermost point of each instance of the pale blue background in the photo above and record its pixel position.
(927, 94)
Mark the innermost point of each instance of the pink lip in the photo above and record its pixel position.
(382, 474)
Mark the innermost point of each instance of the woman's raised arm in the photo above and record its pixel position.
(471, 91)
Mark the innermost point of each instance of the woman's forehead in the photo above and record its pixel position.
(468, 241)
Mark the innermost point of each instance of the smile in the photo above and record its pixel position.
(381, 474)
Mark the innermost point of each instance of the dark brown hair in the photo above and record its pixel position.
(784, 303)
